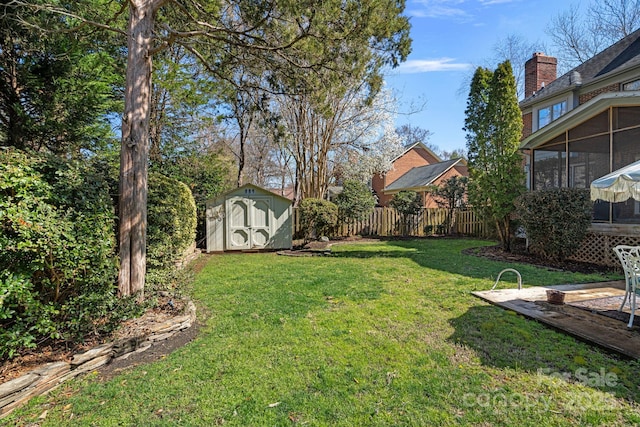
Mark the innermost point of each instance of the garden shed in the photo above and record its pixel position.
(249, 218)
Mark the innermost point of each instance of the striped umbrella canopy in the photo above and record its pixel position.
(618, 186)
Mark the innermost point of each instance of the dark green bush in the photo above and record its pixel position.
(58, 262)
(555, 220)
(355, 202)
(317, 217)
(408, 204)
(171, 228)
(207, 174)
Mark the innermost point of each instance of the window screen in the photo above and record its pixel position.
(593, 126)
(626, 117)
(549, 167)
(626, 147)
(588, 160)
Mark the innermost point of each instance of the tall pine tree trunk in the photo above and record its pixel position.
(134, 153)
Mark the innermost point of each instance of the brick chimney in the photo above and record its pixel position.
(540, 70)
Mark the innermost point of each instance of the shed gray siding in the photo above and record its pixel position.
(249, 218)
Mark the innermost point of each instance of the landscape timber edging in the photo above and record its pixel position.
(18, 391)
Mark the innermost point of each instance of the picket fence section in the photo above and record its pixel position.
(386, 222)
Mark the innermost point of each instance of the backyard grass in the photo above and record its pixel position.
(381, 334)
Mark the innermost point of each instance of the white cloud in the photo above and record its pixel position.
(460, 10)
(430, 65)
(438, 9)
(490, 2)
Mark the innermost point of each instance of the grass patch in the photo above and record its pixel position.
(377, 334)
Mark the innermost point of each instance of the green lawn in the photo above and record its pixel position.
(377, 334)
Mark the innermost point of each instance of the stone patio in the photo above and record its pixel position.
(590, 312)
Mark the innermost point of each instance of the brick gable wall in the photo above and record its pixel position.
(413, 158)
(615, 87)
(527, 125)
(377, 184)
(458, 170)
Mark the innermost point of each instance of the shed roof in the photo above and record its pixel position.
(618, 57)
(421, 176)
(248, 186)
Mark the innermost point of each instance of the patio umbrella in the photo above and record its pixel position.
(618, 186)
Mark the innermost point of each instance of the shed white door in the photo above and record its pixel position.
(248, 223)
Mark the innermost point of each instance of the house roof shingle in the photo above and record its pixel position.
(616, 58)
(421, 176)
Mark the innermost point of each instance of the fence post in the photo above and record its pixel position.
(384, 222)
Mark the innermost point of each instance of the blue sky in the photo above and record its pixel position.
(450, 39)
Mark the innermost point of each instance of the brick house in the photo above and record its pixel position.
(581, 126)
(416, 169)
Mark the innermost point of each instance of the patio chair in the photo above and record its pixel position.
(630, 259)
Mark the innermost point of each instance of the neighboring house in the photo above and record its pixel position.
(416, 169)
(286, 192)
(581, 126)
(289, 192)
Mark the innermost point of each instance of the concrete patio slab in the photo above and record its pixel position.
(586, 324)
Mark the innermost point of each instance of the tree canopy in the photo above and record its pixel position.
(303, 47)
(355, 202)
(494, 126)
(55, 90)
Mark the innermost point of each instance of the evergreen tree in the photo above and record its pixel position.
(56, 91)
(494, 127)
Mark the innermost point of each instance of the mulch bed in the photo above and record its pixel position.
(64, 351)
(520, 254)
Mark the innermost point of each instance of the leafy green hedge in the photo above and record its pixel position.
(171, 228)
(58, 261)
(317, 217)
(355, 202)
(555, 220)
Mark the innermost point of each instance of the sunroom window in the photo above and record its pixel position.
(548, 114)
(634, 85)
(550, 167)
(605, 142)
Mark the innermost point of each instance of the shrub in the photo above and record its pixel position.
(207, 174)
(555, 220)
(58, 263)
(356, 202)
(317, 217)
(407, 203)
(450, 195)
(171, 227)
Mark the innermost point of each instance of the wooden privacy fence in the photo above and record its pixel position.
(386, 222)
